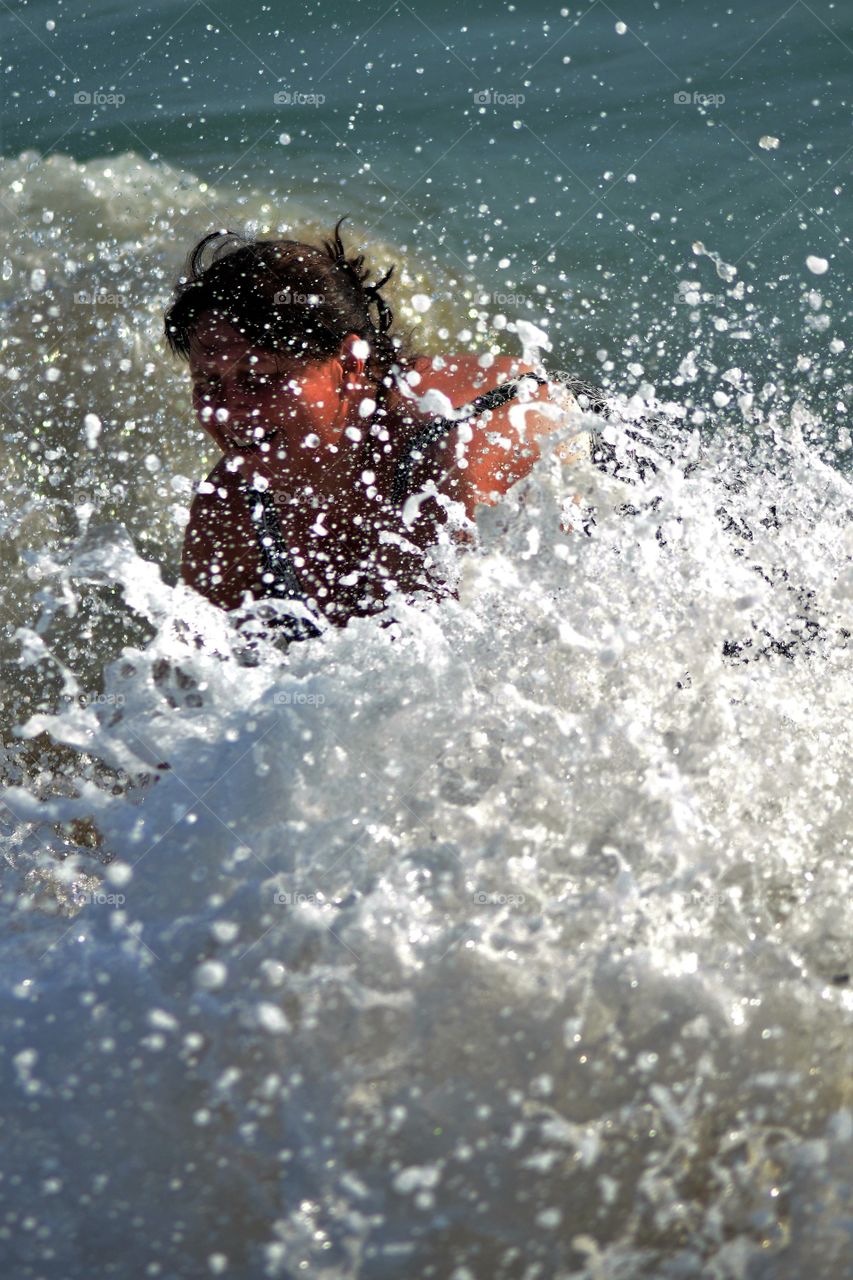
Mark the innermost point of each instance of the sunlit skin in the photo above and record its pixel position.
(297, 424)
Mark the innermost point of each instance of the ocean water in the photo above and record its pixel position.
(512, 939)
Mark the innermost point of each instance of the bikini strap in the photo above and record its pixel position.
(439, 427)
(280, 577)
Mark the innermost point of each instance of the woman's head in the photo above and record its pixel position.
(261, 324)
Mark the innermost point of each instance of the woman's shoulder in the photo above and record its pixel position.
(461, 377)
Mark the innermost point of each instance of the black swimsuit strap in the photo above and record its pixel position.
(280, 576)
(438, 427)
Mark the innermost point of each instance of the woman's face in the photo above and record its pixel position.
(254, 401)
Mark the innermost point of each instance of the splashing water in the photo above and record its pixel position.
(511, 939)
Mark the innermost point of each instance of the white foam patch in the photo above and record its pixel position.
(511, 935)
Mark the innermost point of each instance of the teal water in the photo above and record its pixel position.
(594, 188)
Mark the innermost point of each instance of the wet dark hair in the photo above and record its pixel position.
(287, 297)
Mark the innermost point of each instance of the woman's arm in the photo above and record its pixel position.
(481, 460)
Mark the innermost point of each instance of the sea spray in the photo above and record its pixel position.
(515, 931)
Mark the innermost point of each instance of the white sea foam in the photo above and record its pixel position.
(511, 934)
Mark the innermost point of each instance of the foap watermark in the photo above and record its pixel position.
(493, 98)
(290, 298)
(92, 698)
(735, 898)
(482, 898)
(83, 98)
(297, 699)
(98, 898)
(281, 499)
(98, 298)
(295, 98)
(505, 300)
(684, 98)
(297, 898)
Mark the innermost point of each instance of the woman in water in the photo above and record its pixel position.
(334, 478)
